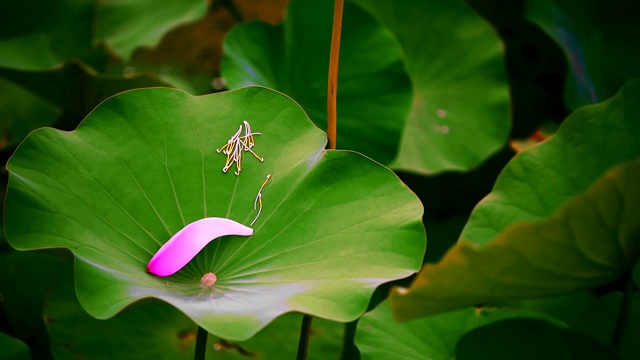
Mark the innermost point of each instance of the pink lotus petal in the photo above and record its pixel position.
(187, 243)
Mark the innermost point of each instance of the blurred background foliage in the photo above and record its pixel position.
(59, 59)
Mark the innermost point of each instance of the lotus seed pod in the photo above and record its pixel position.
(209, 279)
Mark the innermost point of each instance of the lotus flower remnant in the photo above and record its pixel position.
(187, 243)
(236, 145)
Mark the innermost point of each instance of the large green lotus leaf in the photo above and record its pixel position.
(38, 36)
(13, 349)
(22, 112)
(126, 25)
(374, 91)
(144, 164)
(74, 88)
(590, 241)
(529, 339)
(602, 49)
(379, 336)
(460, 113)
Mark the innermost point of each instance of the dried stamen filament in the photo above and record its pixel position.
(258, 200)
(234, 147)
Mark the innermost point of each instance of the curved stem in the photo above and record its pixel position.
(305, 333)
(623, 314)
(201, 344)
(332, 91)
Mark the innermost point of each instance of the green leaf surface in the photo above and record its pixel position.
(39, 36)
(22, 112)
(126, 25)
(74, 88)
(562, 217)
(529, 339)
(602, 50)
(379, 336)
(144, 164)
(13, 349)
(460, 111)
(374, 92)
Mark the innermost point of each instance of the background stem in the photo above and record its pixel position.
(623, 315)
(332, 120)
(332, 90)
(201, 344)
(305, 333)
(349, 349)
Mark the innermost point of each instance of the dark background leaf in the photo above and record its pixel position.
(460, 109)
(602, 50)
(529, 339)
(374, 90)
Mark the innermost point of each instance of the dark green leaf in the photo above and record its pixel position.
(39, 36)
(379, 336)
(144, 164)
(75, 88)
(600, 321)
(568, 308)
(562, 217)
(529, 339)
(602, 49)
(126, 25)
(538, 181)
(589, 242)
(22, 112)
(460, 113)
(13, 349)
(25, 281)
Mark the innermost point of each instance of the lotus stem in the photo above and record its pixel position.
(201, 344)
(332, 92)
(305, 333)
(623, 315)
